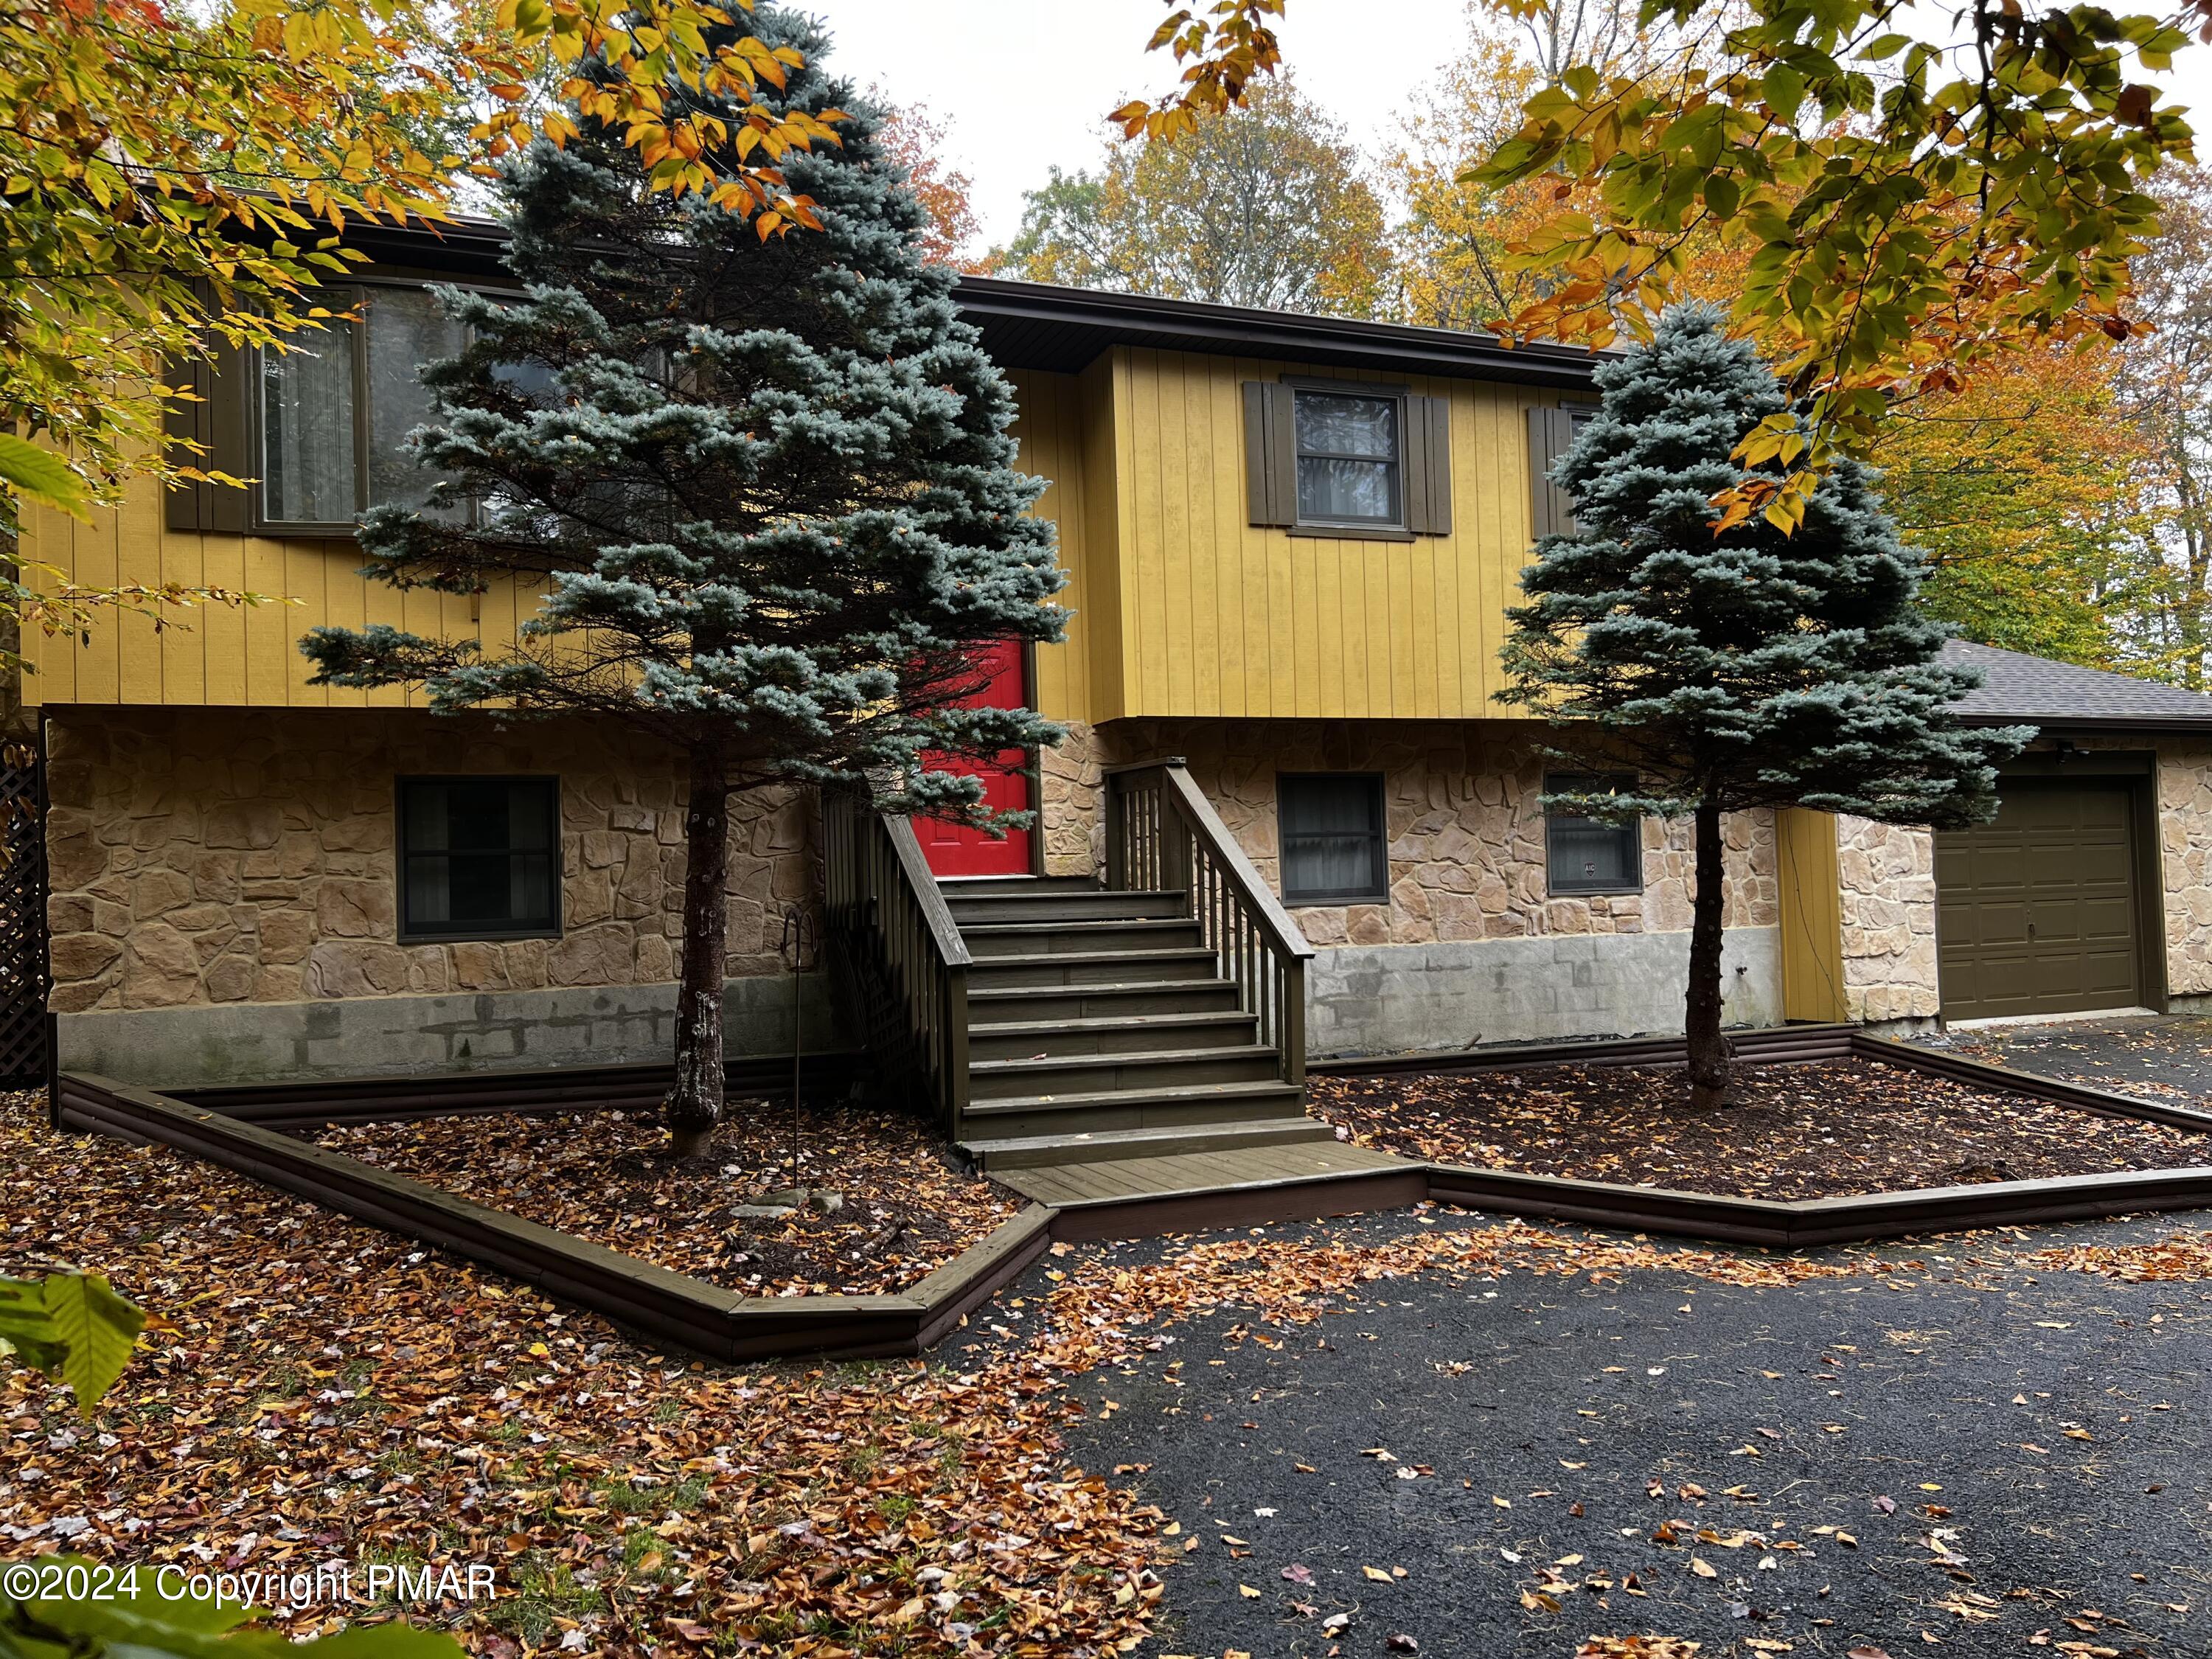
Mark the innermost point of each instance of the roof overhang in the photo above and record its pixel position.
(2068, 726)
(1039, 325)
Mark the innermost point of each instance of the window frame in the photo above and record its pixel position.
(357, 292)
(410, 934)
(1378, 894)
(1556, 887)
(1393, 530)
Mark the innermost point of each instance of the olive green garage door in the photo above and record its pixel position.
(2037, 909)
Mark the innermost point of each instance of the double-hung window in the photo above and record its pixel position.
(1587, 855)
(1347, 459)
(1350, 468)
(479, 858)
(335, 404)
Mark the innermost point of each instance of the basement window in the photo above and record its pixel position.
(1334, 845)
(1592, 855)
(479, 858)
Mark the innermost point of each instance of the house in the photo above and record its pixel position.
(1291, 541)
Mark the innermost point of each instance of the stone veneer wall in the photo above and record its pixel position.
(207, 857)
(1467, 838)
(1887, 875)
(1072, 808)
(1469, 946)
(2184, 828)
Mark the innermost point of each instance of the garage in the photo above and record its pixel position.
(2036, 911)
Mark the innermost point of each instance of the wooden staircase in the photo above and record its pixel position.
(1130, 1051)
(1100, 1026)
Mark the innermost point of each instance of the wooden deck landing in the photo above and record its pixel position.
(1141, 1197)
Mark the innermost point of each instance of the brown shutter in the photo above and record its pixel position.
(185, 422)
(1270, 456)
(1550, 432)
(1428, 467)
(219, 423)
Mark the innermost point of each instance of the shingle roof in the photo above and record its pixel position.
(2034, 690)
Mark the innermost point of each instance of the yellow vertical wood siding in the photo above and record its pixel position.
(212, 655)
(1812, 915)
(1216, 616)
(1181, 607)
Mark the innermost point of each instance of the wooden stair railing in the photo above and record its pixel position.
(1163, 834)
(894, 943)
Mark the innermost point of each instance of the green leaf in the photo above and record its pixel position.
(28, 1329)
(388, 1641)
(73, 1327)
(40, 475)
(1783, 88)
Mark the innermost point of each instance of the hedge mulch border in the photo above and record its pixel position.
(240, 1129)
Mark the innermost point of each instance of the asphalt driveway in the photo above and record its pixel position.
(2164, 1058)
(1985, 1459)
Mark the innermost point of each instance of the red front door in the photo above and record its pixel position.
(954, 849)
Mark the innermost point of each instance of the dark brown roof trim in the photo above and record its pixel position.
(1044, 326)
(1041, 325)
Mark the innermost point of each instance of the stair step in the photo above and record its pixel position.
(1017, 1117)
(993, 1080)
(1121, 1033)
(1029, 1151)
(1088, 968)
(950, 885)
(1064, 905)
(1035, 1004)
(1019, 939)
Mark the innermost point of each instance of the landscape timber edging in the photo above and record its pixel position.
(1781, 1225)
(315, 1103)
(1859, 1219)
(667, 1306)
(700, 1318)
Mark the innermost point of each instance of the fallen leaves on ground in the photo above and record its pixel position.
(603, 1176)
(1636, 1647)
(2178, 1255)
(318, 1391)
(1791, 1132)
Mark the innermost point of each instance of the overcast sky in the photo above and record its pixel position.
(1024, 84)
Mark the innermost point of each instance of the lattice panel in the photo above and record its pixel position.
(23, 980)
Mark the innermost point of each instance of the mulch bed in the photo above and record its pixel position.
(315, 1395)
(605, 1177)
(1827, 1130)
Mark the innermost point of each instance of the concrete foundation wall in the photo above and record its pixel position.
(1407, 999)
(386, 1036)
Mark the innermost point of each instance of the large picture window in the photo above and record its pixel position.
(336, 404)
(1591, 856)
(1349, 469)
(479, 857)
(1334, 850)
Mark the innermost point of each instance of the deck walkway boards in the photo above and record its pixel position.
(1242, 1168)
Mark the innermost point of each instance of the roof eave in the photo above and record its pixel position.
(2054, 725)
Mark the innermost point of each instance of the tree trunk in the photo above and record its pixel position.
(1710, 1053)
(694, 1105)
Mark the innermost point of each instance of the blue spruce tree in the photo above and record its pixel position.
(765, 487)
(1744, 670)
